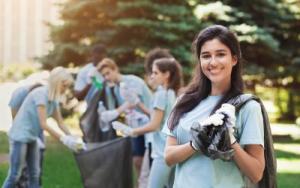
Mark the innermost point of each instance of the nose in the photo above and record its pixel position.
(152, 76)
(213, 60)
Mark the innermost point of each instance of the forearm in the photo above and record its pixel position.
(13, 113)
(143, 108)
(249, 165)
(64, 128)
(80, 94)
(150, 127)
(178, 153)
(51, 131)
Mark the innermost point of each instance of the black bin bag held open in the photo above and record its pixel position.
(107, 162)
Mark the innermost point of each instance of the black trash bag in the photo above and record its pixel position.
(214, 141)
(89, 121)
(269, 179)
(106, 164)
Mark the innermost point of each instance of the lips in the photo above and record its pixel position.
(214, 71)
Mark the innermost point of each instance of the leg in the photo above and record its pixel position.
(17, 161)
(33, 162)
(159, 174)
(145, 170)
(138, 150)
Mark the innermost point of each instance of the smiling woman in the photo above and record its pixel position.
(217, 79)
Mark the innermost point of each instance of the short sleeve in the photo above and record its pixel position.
(17, 98)
(146, 95)
(166, 130)
(252, 126)
(39, 98)
(160, 100)
(80, 81)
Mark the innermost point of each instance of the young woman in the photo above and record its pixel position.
(166, 72)
(217, 79)
(31, 118)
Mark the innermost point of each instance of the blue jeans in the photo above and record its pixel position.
(21, 154)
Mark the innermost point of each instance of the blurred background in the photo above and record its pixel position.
(37, 35)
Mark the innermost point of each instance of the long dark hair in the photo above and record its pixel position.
(174, 68)
(200, 86)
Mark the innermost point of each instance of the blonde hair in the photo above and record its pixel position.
(57, 76)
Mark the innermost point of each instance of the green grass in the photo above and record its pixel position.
(60, 169)
(288, 164)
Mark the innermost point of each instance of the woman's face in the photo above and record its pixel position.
(64, 86)
(158, 77)
(217, 62)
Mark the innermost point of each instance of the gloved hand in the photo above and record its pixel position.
(109, 115)
(72, 143)
(79, 144)
(216, 119)
(124, 129)
(40, 143)
(92, 73)
(229, 111)
(68, 141)
(195, 141)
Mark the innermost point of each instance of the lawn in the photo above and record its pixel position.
(60, 170)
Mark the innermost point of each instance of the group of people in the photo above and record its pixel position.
(159, 115)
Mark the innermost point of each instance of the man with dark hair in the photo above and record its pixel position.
(84, 88)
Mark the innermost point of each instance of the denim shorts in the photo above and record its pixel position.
(138, 146)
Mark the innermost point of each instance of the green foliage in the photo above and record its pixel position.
(17, 71)
(268, 32)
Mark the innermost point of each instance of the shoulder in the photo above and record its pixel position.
(161, 92)
(85, 69)
(131, 77)
(23, 89)
(39, 91)
(251, 106)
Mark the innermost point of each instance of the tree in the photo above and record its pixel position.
(129, 28)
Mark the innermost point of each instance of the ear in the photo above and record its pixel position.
(234, 60)
(167, 75)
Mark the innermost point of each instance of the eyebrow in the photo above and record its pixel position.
(220, 50)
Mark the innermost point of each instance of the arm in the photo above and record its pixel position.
(153, 125)
(43, 122)
(143, 108)
(175, 153)
(57, 116)
(250, 161)
(80, 94)
(13, 113)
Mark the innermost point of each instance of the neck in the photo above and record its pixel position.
(118, 78)
(219, 88)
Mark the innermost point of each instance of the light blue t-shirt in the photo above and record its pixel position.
(163, 100)
(138, 86)
(18, 97)
(199, 171)
(82, 81)
(26, 126)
